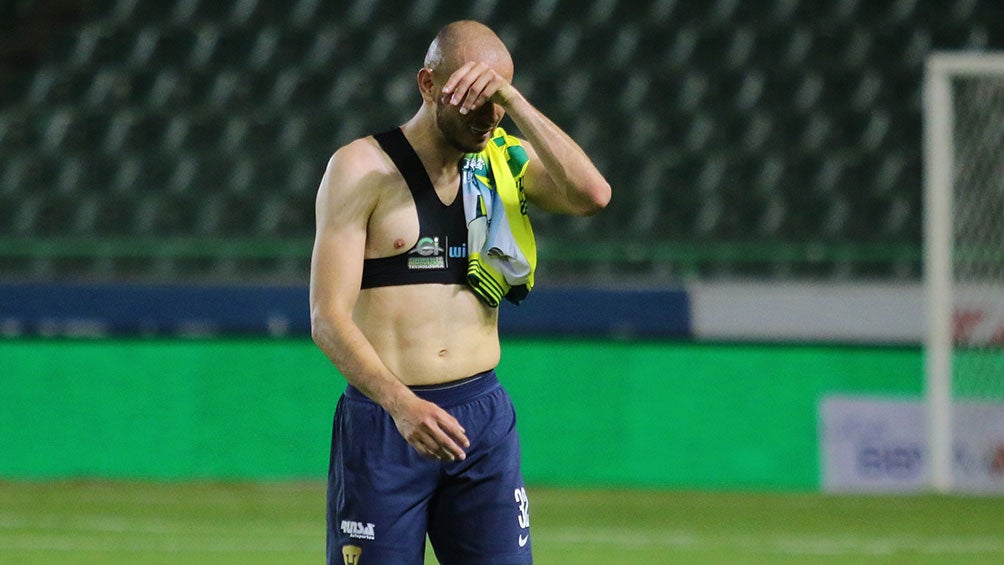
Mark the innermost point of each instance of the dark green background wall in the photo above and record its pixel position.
(591, 412)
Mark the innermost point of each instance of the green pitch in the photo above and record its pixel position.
(276, 524)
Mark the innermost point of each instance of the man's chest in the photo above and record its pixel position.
(400, 219)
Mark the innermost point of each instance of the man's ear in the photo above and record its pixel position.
(426, 86)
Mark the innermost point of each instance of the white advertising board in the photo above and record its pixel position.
(871, 444)
(878, 445)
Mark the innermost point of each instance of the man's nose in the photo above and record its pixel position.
(488, 109)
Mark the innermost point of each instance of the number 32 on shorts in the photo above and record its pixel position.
(524, 510)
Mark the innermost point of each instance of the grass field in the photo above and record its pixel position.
(276, 524)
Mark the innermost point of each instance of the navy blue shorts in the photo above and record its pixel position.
(383, 497)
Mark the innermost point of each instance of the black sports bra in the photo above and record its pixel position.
(440, 255)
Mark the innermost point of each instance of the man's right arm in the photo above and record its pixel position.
(346, 199)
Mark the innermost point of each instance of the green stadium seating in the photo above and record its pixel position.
(788, 121)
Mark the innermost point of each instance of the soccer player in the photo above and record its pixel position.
(424, 438)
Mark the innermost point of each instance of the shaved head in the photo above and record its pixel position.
(469, 54)
(465, 41)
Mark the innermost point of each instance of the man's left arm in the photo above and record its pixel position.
(560, 177)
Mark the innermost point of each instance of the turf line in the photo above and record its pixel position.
(778, 544)
(85, 533)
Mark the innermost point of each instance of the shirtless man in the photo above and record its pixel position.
(424, 437)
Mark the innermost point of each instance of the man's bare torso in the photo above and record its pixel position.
(424, 333)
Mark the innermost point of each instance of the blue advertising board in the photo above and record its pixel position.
(81, 310)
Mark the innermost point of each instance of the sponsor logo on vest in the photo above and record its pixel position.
(429, 255)
(427, 246)
(361, 530)
(351, 553)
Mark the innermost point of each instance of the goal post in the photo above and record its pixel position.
(963, 146)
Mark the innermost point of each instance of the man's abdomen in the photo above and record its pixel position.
(429, 334)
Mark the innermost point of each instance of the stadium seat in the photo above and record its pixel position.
(136, 13)
(298, 89)
(219, 47)
(210, 173)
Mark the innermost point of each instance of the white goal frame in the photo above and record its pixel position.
(939, 166)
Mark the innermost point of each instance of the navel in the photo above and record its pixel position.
(442, 352)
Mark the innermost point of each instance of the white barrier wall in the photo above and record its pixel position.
(848, 313)
(857, 313)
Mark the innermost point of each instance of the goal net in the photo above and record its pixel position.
(964, 270)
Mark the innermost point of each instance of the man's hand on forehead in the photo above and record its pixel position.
(474, 84)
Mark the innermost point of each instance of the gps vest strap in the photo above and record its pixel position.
(440, 254)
